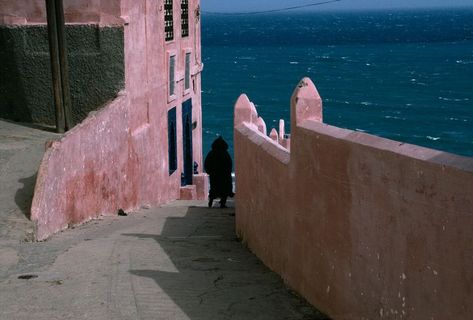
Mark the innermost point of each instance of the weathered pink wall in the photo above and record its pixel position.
(105, 12)
(89, 172)
(118, 157)
(363, 227)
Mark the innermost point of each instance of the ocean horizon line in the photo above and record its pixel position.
(336, 10)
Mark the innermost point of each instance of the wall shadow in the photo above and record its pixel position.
(13, 102)
(218, 278)
(24, 195)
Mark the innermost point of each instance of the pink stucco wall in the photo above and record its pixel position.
(76, 11)
(363, 227)
(118, 157)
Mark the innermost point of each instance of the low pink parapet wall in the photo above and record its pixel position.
(363, 227)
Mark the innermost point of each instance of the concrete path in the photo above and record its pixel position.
(181, 261)
(21, 151)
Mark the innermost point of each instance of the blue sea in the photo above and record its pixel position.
(403, 75)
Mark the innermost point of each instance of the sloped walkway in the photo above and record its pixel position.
(21, 151)
(181, 261)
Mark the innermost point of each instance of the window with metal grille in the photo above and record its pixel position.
(168, 20)
(187, 80)
(172, 141)
(185, 18)
(172, 71)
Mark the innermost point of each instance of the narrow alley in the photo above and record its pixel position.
(180, 261)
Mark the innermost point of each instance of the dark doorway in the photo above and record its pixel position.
(187, 142)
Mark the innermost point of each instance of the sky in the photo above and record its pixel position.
(252, 5)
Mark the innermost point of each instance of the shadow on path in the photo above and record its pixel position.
(24, 195)
(217, 277)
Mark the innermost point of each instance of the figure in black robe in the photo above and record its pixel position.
(218, 164)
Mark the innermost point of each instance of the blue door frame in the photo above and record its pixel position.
(187, 142)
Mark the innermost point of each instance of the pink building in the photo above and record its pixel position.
(143, 146)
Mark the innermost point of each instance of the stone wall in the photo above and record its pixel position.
(363, 227)
(96, 65)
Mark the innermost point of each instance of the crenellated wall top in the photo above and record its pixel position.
(306, 103)
(307, 114)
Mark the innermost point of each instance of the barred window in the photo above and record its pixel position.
(168, 20)
(185, 18)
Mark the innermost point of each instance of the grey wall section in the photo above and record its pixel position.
(96, 65)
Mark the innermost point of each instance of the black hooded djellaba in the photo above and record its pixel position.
(218, 164)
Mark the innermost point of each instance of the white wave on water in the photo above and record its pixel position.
(464, 62)
(337, 101)
(366, 103)
(457, 119)
(433, 138)
(454, 99)
(394, 117)
(211, 132)
(293, 62)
